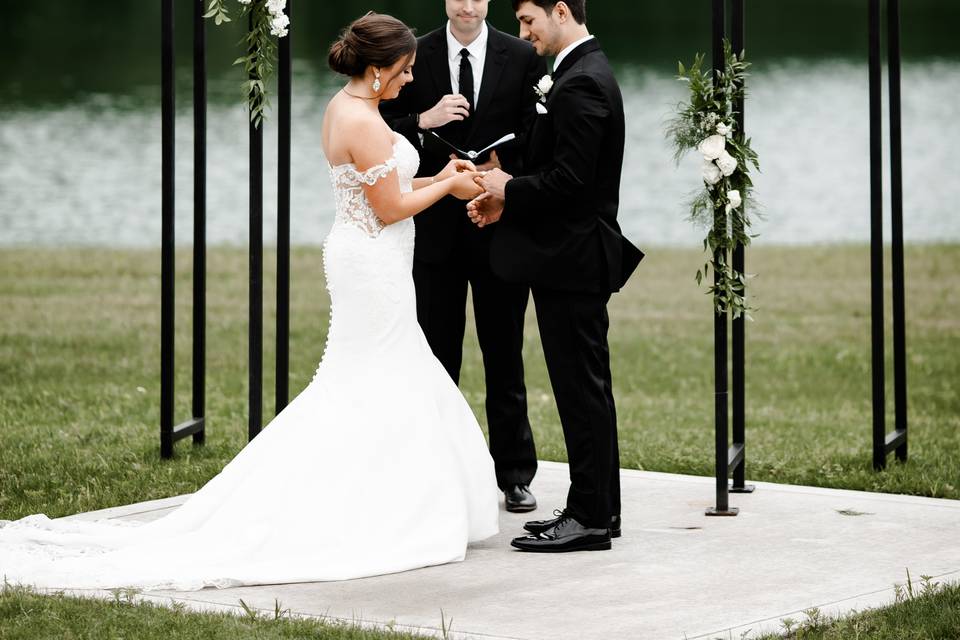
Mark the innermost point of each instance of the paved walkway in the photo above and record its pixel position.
(674, 574)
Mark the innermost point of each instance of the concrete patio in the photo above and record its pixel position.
(674, 574)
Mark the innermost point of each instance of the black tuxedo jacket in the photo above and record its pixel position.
(559, 226)
(507, 104)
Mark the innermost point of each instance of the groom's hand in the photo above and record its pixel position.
(494, 182)
(485, 209)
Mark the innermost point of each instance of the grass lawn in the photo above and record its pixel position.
(79, 361)
(25, 615)
(79, 357)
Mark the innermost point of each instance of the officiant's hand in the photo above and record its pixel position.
(451, 107)
(492, 163)
(455, 166)
(485, 209)
(494, 182)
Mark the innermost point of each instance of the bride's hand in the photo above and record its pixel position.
(454, 167)
(463, 185)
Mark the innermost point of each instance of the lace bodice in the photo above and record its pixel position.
(352, 206)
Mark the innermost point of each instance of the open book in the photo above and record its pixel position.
(435, 144)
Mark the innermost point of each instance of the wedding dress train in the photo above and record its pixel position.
(378, 466)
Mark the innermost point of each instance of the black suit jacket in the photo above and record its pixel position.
(507, 104)
(559, 227)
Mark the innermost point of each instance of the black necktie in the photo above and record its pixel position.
(466, 77)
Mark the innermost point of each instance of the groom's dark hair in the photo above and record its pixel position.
(578, 8)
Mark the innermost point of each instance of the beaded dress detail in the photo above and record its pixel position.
(377, 466)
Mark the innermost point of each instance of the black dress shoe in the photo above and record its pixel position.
(566, 535)
(539, 526)
(518, 499)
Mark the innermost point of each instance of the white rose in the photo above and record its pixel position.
(712, 147)
(545, 84)
(727, 163)
(278, 25)
(276, 7)
(734, 197)
(244, 1)
(711, 172)
(724, 130)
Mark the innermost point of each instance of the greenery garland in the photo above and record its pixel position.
(269, 20)
(707, 123)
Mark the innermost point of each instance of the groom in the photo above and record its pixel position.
(558, 232)
(471, 86)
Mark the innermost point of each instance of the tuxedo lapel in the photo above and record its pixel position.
(495, 62)
(436, 58)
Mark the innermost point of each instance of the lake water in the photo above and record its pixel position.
(80, 131)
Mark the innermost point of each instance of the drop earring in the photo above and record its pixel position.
(376, 82)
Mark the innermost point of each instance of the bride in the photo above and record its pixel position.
(379, 465)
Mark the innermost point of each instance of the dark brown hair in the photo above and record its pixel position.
(578, 8)
(376, 40)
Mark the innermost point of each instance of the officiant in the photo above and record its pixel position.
(473, 86)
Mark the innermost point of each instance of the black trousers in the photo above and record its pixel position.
(499, 309)
(573, 330)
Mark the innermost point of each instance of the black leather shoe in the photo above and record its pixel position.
(539, 526)
(518, 499)
(566, 535)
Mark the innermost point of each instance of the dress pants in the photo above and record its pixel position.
(573, 330)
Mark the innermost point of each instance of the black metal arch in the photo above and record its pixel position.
(733, 457)
(169, 434)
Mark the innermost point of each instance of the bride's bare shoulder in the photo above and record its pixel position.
(352, 134)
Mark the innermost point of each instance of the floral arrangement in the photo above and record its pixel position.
(707, 124)
(268, 20)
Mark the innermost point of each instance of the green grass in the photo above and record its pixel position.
(79, 365)
(79, 361)
(928, 612)
(25, 615)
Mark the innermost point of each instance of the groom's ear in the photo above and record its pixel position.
(562, 11)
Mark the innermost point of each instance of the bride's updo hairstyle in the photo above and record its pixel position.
(376, 40)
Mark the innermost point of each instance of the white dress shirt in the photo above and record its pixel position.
(570, 47)
(478, 55)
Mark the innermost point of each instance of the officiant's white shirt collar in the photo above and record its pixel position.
(478, 55)
(566, 50)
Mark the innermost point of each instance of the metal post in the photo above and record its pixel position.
(739, 324)
(720, 321)
(167, 233)
(896, 187)
(283, 223)
(199, 214)
(255, 344)
(876, 239)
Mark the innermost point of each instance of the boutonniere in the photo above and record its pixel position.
(543, 87)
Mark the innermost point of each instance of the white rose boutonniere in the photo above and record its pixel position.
(543, 86)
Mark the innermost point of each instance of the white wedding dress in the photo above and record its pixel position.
(378, 466)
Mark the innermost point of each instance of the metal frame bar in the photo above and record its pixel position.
(283, 222)
(883, 442)
(896, 188)
(720, 322)
(196, 427)
(255, 338)
(737, 458)
(199, 218)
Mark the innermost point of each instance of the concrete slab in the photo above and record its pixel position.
(674, 574)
